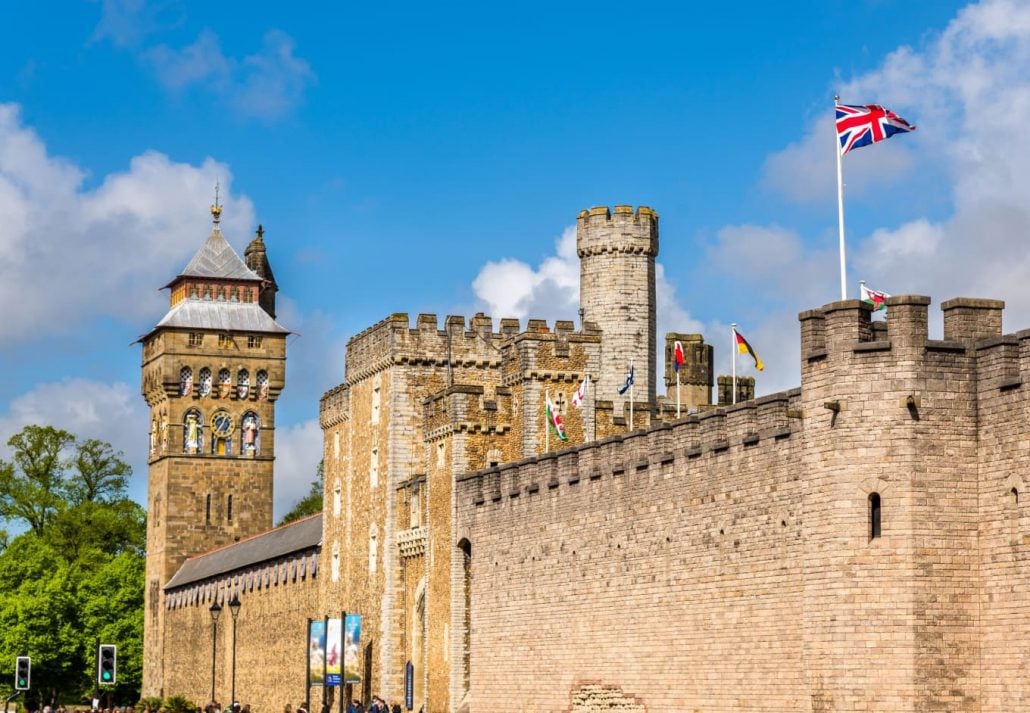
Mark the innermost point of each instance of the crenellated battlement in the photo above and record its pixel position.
(466, 407)
(394, 340)
(621, 230)
(770, 420)
(334, 406)
(841, 329)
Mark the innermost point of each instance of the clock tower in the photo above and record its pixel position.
(213, 368)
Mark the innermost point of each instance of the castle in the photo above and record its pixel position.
(854, 544)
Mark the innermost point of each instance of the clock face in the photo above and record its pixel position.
(221, 423)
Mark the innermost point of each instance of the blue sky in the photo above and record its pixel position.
(413, 157)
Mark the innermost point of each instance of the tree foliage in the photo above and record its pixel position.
(310, 503)
(73, 578)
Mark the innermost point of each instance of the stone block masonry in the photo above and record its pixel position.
(617, 250)
(732, 561)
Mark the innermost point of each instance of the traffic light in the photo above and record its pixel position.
(106, 664)
(22, 673)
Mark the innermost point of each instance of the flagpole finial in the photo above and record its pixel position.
(836, 98)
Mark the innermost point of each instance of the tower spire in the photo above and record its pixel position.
(216, 209)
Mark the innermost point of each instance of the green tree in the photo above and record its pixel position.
(310, 503)
(76, 576)
(100, 473)
(31, 488)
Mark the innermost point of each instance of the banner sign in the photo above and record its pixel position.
(333, 651)
(316, 652)
(351, 646)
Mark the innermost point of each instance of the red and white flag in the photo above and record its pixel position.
(581, 393)
(877, 299)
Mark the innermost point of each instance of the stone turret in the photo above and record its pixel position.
(696, 374)
(617, 251)
(257, 260)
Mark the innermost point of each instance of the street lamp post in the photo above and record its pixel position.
(215, 610)
(234, 607)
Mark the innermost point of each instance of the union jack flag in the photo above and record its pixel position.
(863, 125)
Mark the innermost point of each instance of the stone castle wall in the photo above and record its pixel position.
(277, 598)
(726, 562)
(664, 563)
(617, 250)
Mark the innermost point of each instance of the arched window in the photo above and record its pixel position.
(874, 515)
(234, 295)
(185, 381)
(242, 384)
(373, 549)
(1015, 495)
(250, 440)
(228, 509)
(224, 383)
(337, 490)
(205, 381)
(192, 431)
(466, 635)
(262, 385)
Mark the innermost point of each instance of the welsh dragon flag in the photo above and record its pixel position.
(874, 297)
(554, 421)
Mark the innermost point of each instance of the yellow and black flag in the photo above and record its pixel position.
(744, 347)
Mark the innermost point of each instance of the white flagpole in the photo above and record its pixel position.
(547, 424)
(593, 414)
(631, 396)
(733, 350)
(840, 204)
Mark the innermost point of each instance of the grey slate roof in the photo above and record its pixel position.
(216, 258)
(195, 313)
(305, 534)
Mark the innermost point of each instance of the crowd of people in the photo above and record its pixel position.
(376, 705)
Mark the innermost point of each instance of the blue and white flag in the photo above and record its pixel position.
(629, 381)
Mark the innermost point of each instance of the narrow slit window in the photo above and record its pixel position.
(1015, 496)
(208, 509)
(875, 519)
(228, 509)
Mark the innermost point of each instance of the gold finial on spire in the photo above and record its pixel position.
(216, 209)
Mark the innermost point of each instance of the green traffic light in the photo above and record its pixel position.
(107, 675)
(21, 681)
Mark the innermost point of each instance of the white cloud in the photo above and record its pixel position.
(511, 288)
(87, 409)
(298, 450)
(268, 84)
(968, 90)
(68, 253)
(126, 22)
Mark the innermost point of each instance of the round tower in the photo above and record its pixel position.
(617, 250)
